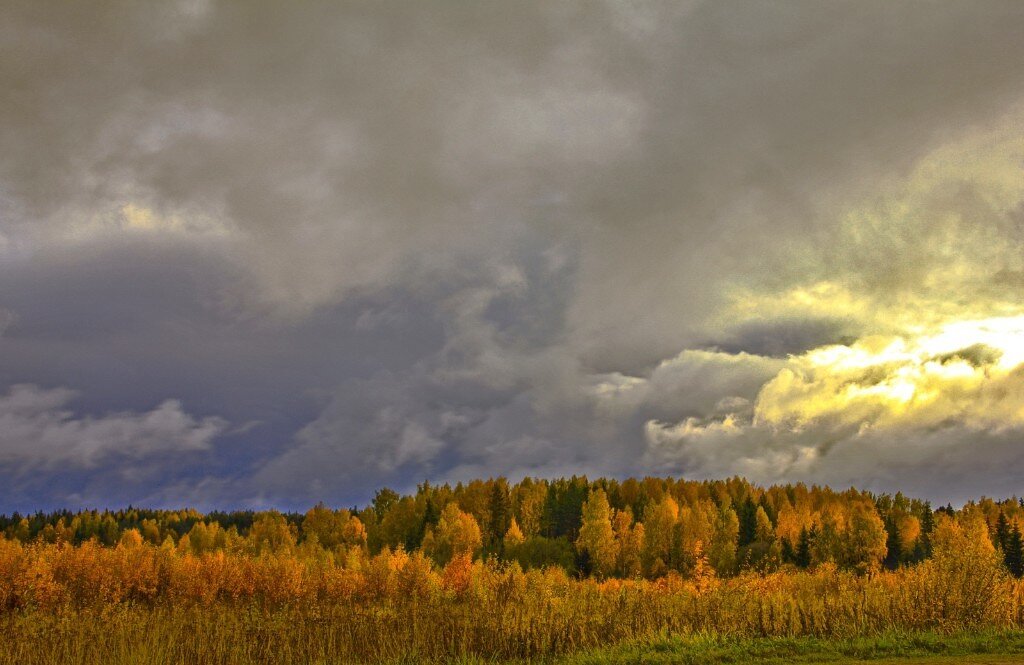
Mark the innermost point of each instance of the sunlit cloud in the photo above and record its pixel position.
(967, 372)
(923, 285)
(139, 220)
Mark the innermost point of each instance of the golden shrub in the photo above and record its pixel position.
(458, 574)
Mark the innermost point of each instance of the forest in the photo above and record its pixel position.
(500, 570)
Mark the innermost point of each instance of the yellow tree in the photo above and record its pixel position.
(353, 533)
(629, 538)
(514, 535)
(528, 500)
(722, 553)
(764, 552)
(790, 522)
(400, 524)
(205, 537)
(702, 575)
(864, 545)
(457, 533)
(975, 528)
(909, 528)
(965, 573)
(596, 536)
(271, 532)
(695, 530)
(828, 545)
(659, 529)
(332, 528)
(324, 525)
(130, 538)
(149, 529)
(764, 532)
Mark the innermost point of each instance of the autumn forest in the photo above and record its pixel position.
(602, 529)
(491, 569)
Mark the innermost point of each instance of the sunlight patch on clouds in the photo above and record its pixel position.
(929, 274)
(138, 220)
(943, 244)
(873, 395)
(134, 217)
(968, 372)
(926, 367)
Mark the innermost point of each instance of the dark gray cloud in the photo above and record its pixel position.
(783, 336)
(386, 241)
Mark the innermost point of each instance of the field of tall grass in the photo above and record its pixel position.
(141, 603)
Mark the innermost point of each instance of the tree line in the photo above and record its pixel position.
(603, 528)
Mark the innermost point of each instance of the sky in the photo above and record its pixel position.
(267, 254)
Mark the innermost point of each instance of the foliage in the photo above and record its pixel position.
(429, 577)
(295, 607)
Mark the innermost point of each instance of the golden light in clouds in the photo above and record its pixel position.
(940, 245)
(920, 289)
(968, 371)
(141, 220)
(932, 395)
(925, 281)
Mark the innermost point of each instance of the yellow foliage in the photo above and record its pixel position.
(130, 538)
(597, 538)
(399, 604)
(910, 530)
(514, 536)
(457, 534)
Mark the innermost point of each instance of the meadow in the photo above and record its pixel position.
(141, 603)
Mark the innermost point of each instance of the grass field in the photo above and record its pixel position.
(93, 642)
(146, 605)
(989, 648)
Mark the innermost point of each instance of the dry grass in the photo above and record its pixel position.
(139, 604)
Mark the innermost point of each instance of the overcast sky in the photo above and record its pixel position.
(266, 254)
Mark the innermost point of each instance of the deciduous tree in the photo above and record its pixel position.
(597, 539)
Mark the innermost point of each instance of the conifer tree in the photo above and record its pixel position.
(747, 516)
(892, 544)
(1002, 531)
(803, 548)
(500, 508)
(924, 543)
(788, 553)
(1013, 552)
(430, 516)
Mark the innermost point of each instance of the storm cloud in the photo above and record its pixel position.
(333, 246)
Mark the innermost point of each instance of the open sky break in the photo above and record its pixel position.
(262, 255)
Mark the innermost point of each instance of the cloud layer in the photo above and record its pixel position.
(373, 244)
(39, 433)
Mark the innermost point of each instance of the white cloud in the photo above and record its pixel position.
(38, 431)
